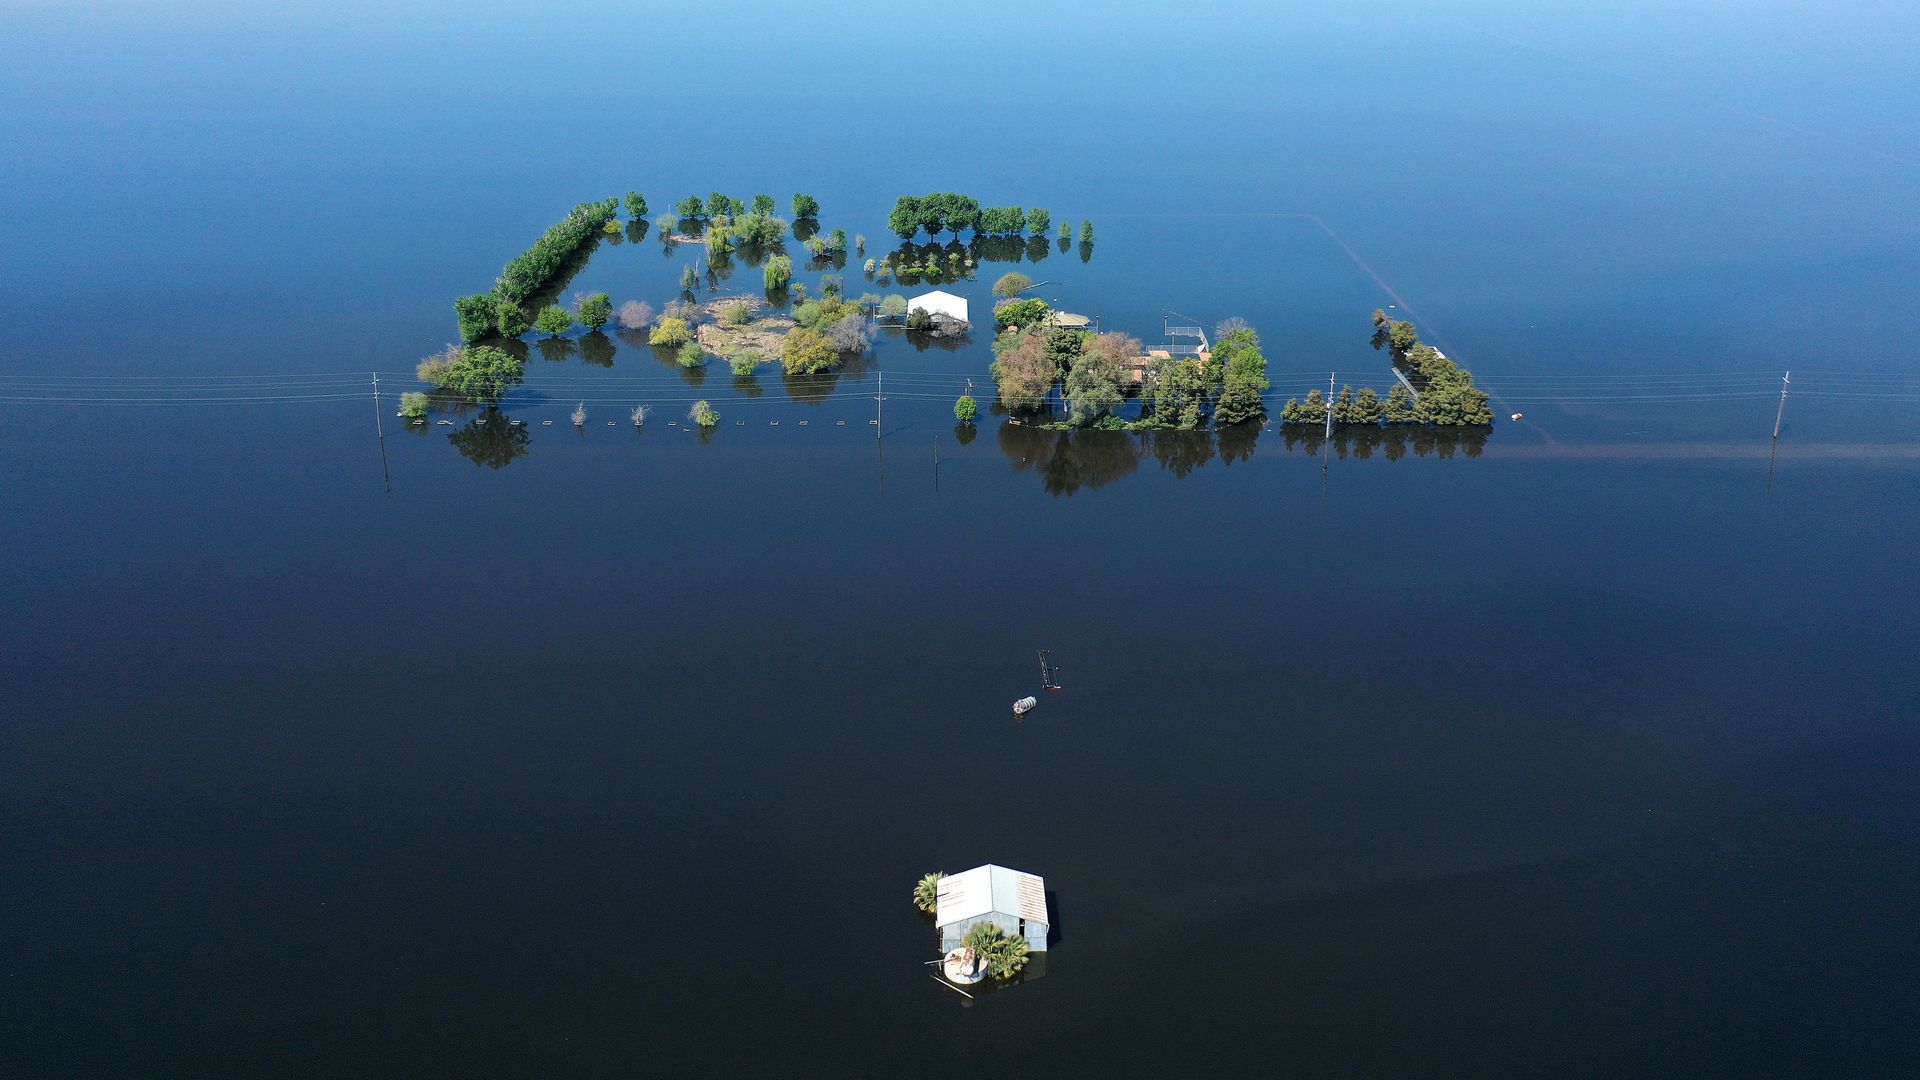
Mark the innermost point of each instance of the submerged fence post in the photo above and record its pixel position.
(1785, 380)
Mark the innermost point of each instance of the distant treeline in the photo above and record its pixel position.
(499, 312)
(947, 211)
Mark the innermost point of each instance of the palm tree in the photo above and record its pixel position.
(926, 894)
(1003, 956)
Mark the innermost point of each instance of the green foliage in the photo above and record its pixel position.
(1180, 394)
(482, 373)
(476, 314)
(666, 223)
(613, 228)
(736, 313)
(1311, 411)
(1001, 954)
(919, 319)
(594, 310)
(1086, 232)
(718, 204)
(744, 363)
(1028, 312)
(965, 409)
(690, 208)
(926, 892)
(806, 206)
(1400, 408)
(1450, 398)
(691, 355)
(553, 320)
(719, 237)
(807, 314)
(1095, 383)
(1066, 230)
(759, 230)
(413, 404)
(689, 279)
(526, 272)
(804, 351)
(777, 272)
(703, 414)
(1003, 220)
(1039, 221)
(935, 212)
(1022, 370)
(1241, 373)
(904, 219)
(894, 305)
(1011, 284)
(636, 205)
(763, 205)
(511, 320)
(670, 331)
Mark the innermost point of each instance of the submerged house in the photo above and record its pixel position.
(1014, 901)
(940, 302)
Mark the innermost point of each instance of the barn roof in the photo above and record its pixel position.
(940, 294)
(991, 889)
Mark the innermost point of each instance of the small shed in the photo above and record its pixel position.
(940, 302)
(1015, 902)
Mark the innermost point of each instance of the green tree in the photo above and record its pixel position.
(1039, 222)
(636, 205)
(1366, 408)
(476, 314)
(1240, 400)
(594, 310)
(670, 331)
(690, 208)
(777, 273)
(691, 355)
(893, 305)
(806, 206)
(804, 351)
(689, 279)
(904, 220)
(703, 414)
(413, 404)
(763, 205)
(1011, 284)
(1400, 407)
(745, 362)
(926, 892)
(1003, 955)
(1086, 232)
(718, 204)
(1028, 312)
(482, 373)
(553, 320)
(1066, 231)
(510, 320)
(965, 409)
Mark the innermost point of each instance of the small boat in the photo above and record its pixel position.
(1519, 416)
(1025, 705)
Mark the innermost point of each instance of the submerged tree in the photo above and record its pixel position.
(806, 206)
(777, 273)
(1002, 954)
(702, 414)
(926, 892)
(636, 205)
(553, 320)
(593, 310)
(965, 409)
(635, 314)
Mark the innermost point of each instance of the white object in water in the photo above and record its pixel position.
(1517, 416)
(1025, 705)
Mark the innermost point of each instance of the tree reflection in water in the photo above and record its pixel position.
(1392, 442)
(1068, 461)
(488, 439)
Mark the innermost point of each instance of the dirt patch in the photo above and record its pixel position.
(762, 334)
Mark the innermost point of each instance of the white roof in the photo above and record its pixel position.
(988, 889)
(937, 294)
(941, 302)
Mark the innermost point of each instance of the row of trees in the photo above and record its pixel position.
(719, 204)
(1447, 395)
(483, 314)
(947, 211)
(1092, 371)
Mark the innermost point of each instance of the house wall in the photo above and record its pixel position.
(1036, 933)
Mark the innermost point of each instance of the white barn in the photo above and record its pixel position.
(1015, 902)
(941, 302)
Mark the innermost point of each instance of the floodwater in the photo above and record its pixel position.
(1583, 746)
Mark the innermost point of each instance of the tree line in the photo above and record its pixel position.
(1447, 396)
(947, 211)
(499, 312)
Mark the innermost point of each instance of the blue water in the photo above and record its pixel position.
(1579, 747)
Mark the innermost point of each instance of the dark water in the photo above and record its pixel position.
(1581, 748)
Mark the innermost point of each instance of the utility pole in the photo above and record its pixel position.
(936, 462)
(1330, 376)
(380, 433)
(1785, 380)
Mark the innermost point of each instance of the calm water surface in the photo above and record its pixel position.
(1582, 748)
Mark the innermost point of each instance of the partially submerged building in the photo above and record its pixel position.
(940, 302)
(1015, 902)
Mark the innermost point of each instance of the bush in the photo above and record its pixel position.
(1039, 221)
(666, 223)
(510, 320)
(1001, 955)
(1011, 284)
(553, 320)
(1066, 231)
(413, 404)
(703, 414)
(1086, 232)
(759, 230)
(670, 331)
(777, 273)
(806, 206)
(1020, 312)
(850, 334)
(481, 373)
(477, 314)
(965, 409)
(593, 310)
(736, 313)
(763, 204)
(691, 355)
(634, 315)
(744, 363)
(690, 207)
(613, 228)
(805, 352)
(918, 319)
(636, 205)
(894, 306)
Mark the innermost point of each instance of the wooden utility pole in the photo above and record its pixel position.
(1785, 380)
(1330, 376)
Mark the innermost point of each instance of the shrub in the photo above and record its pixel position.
(670, 331)
(703, 414)
(580, 415)
(1039, 221)
(736, 313)
(634, 314)
(918, 319)
(804, 352)
(553, 320)
(894, 306)
(719, 238)
(806, 206)
(691, 355)
(759, 230)
(477, 314)
(807, 314)
(763, 204)
(868, 268)
(593, 310)
(744, 363)
(777, 273)
(636, 205)
(965, 409)
(1066, 231)
(613, 227)
(413, 404)
(1086, 232)
(860, 243)
(482, 373)
(1011, 284)
(433, 369)
(1001, 955)
(1020, 312)
(689, 279)
(510, 320)
(690, 207)
(666, 223)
